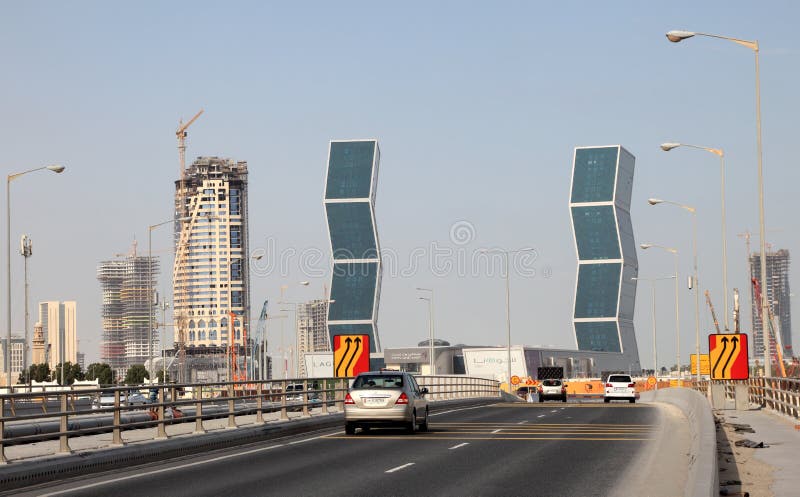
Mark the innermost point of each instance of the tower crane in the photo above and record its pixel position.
(181, 133)
(773, 335)
(713, 314)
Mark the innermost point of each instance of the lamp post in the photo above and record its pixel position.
(9, 179)
(432, 363)
(666, 147)
(696, 280)
(678, 36)
(674, 252)
(506, 253)
(653, 291)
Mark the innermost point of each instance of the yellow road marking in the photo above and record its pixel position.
(425, 437)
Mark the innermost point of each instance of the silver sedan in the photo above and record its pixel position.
(385, 399)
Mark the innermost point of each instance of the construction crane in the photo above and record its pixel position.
(181, 133)
(713, 314)
(259, 347)
(736, 310)
(773, 336)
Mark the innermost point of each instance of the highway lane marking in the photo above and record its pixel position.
(556, 410)
(486, 423)
(458, 446)
(497, 431)
(540, 416)
(398, 468)
(491, 439)
(589, 405)
(458, 410)
(522, 422)
(164, 470)
(306, 440)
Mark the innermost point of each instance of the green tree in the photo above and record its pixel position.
(72, 372)
(136, 375)
(101, 372)
(160, 376)
(37, 372)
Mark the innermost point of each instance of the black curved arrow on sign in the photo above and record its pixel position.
(344, 356)
(355, 353)
(735, 341)
(719, 357)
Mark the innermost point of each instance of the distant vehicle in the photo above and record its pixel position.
(385, 399)
(552, 389)
(620, 387)
(106, 399)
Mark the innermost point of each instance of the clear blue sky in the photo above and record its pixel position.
(477, 108)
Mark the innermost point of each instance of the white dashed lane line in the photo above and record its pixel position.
(540, 416)
(459, 445)
(522, 422)
(398, 468)
(497, 431)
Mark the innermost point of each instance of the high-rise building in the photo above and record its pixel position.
(17, 347)
(352, 179)
(59, 326)
(126, 311)
(778, 296)
(312, 330)
(605, 293)
(211, 271)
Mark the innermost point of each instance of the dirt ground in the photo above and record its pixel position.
(740, 473)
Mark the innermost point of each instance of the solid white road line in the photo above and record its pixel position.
(459, 446)
(400, 467)
(456, 410)
(307, 439)
(164, 470)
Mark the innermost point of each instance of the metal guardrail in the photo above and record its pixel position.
(186, 403)
(781, 395)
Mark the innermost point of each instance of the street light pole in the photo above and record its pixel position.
(9, 179)
(432, 362)
(26, 250)
(666, 147)
(674, 252)
(506, 253)
(678, 36)
(652, 282)
(696, 282)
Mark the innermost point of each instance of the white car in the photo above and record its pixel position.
(620, 387)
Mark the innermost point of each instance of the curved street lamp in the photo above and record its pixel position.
(677, 36)
(666, 147)
(56, 168)
(696, 284)
(674, 252)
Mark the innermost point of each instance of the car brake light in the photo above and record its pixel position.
(563, 389)
(403, 399)
(349, 400)
(631, 385)
(609, 385)
(541, 389)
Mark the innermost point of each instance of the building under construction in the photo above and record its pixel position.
(777, 296)
(312, 330)
(126, 311)
(211, 283)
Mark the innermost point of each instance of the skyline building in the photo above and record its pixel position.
(17, 348)
(312, 330)
(778, 296)
(605, 293)
(350, 187)
(211, 270)
(59, 328)
(126, 312)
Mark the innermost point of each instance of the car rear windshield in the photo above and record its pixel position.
(551, 383)
(383, 381)
(619, 379)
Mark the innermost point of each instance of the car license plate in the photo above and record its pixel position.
(373, 401)
(620, 389)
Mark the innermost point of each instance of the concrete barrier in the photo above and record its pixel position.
(703, 477)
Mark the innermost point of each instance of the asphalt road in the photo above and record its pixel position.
(500, 450)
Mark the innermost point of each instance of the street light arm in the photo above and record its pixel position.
(677, 36)
(666, 147)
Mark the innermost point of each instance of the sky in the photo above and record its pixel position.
(477, 108)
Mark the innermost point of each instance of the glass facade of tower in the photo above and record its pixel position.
(605, 294)
(350, 211)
